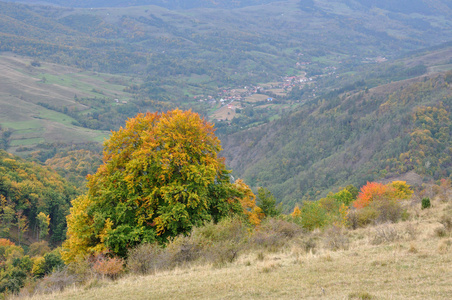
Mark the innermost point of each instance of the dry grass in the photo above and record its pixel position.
(409, 261)
(225, 113)
(256, 98)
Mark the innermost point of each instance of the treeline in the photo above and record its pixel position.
(105, 115)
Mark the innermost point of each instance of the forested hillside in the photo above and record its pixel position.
(350, 136)
(29, 191)
(72, 74)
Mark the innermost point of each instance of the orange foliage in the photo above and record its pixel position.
(370, 192)
(6, 243)
(109, 267)
(396, 190)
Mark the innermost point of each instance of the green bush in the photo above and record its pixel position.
(213, 243)
(426, 203)
(377, 212)
(52, 261)
(313, 215)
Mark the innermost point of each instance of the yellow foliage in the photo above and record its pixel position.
(82, 239)
(296, 212)
(38, 266)
(401, 189)
(248, 202)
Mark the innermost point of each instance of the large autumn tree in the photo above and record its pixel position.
(161, 175)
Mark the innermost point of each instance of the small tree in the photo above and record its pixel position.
(43, 225)
(267, 202)
(22, 224)
(313, 215)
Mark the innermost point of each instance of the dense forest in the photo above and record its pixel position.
(28, 190)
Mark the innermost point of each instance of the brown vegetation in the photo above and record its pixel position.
(404, 260)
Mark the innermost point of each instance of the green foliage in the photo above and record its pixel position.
(161, 176)
(52, 261)
(267, 202)
(313, 215)
(27, 189)
(216, 243)
(425, 203)
(43, 221)
(14, 267)
(318, 147)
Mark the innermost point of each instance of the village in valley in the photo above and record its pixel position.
(228, 103)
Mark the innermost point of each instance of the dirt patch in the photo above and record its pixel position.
(410, 177)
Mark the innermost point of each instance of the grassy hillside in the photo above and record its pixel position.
(27, 92)
(406, 260)
(354, 134)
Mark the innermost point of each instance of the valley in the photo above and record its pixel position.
(225, 149)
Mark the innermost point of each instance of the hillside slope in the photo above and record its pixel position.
(36, 102)
(351, 136)
(406, 260)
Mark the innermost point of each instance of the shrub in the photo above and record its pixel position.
(385, 233)
(370, 192)
(182, 250)
(56, 281)
(425, 203)
(336, 239)
(313, 215)
(110, 267)
(52, 261)
(378, 211)
(366, 216)
(39, 248)
(389, 210)
(446, 220)
(222, 253)
(309, 243)
(274, 234)
(229, 229)
(145, 259)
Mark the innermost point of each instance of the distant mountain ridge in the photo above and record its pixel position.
(176, 4)
(426, 7)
